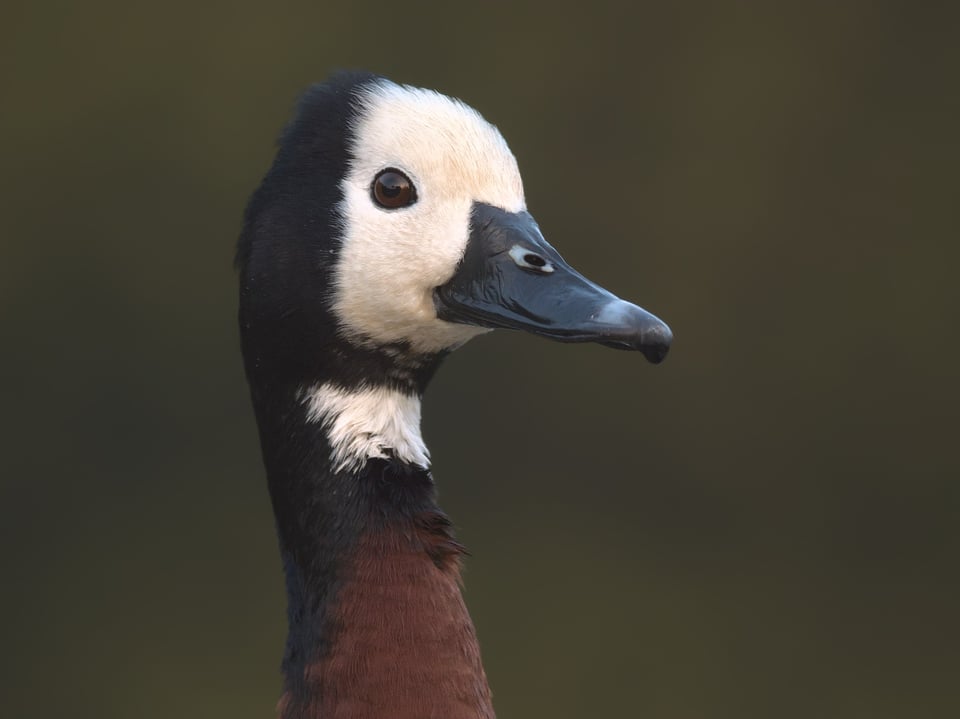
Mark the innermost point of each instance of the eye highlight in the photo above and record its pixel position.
(391, 189)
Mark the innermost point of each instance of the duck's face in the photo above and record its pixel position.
(419, 164)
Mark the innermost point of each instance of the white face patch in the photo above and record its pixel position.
(367, 423)
(390, 261)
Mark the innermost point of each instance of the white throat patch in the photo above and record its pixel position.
(368, 423)
(390, 261)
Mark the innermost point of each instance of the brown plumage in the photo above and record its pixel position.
(405, 645)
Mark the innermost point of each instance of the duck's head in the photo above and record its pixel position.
(391, 229)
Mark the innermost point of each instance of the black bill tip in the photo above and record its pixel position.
(623, 325)
(656, 344)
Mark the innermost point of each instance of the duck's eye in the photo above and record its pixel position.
(529, 260)
(392, 189)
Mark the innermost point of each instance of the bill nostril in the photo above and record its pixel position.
(528, 260)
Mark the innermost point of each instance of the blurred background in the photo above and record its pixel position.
(765, 525)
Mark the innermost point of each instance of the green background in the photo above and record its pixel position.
(765, 525)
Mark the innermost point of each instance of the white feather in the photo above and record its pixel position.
(366, 423)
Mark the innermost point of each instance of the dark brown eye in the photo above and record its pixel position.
(393, 190)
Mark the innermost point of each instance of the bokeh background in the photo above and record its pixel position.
(765, 525)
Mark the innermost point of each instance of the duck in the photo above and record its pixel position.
(390, 229)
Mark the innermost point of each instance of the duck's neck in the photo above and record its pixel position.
(377, 623)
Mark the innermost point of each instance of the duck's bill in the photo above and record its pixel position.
(510, 277)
